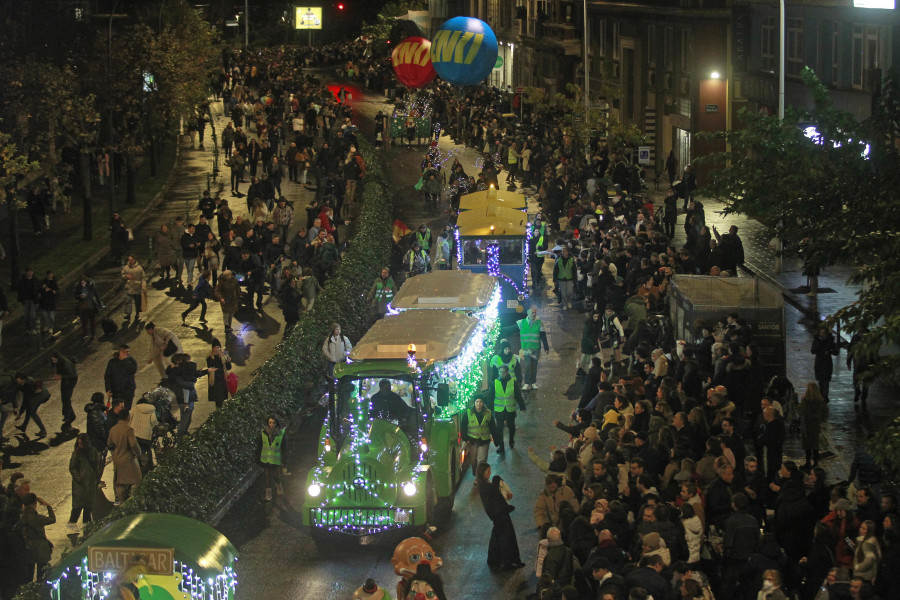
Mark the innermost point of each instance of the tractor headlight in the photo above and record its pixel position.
(314, 490)
(410, 489)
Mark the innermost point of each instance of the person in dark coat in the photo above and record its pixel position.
(119, 376)
(38, 549)
(84, 468)
(218, 358)
(648, 576)
(824, 347)
(503, 549)
(815, 566)
(68, 378)
(770, 437)
(887, 584)
(794, 520)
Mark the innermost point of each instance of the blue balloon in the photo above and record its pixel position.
(464, 50)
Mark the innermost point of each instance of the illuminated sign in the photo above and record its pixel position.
(309, 17)
(885, 4)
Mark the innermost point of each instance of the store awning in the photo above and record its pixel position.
(196, 544)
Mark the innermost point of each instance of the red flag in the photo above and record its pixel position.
(400, 230)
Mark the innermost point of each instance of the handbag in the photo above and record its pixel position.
(504, 489)
(130, 234)
(144, 301)
(419, 184)
(171, 349)
(231, 382)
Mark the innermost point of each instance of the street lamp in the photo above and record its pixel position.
(715, 75)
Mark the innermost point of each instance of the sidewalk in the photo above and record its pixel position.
(45, 460)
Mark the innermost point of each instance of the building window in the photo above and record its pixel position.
(857, 64)
(768, 44)
(794, 55)
(835, 53)
(598, 36)
(866, 52)
(687, 50)
(615, 41)
(651, 46)
(668, 46)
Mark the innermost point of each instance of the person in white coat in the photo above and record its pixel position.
(336, 348)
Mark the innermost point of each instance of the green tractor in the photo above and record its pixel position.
(389, 450)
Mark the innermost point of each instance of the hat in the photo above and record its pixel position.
(599, 562)
(370, 586)
(651, 540)
(843, 504)
(238, 242)
(683, 475)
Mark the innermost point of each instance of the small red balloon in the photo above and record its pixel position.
(412, 62)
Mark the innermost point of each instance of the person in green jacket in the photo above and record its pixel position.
(84, 467)
(382, 292)
(505, 397)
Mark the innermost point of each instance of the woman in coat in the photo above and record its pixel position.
(84, 468)
(813, 412)
(590, 343)
(868, 552)
(228, 293)
(166, 250)
(503, 549)
(824, 347)
(221, 362)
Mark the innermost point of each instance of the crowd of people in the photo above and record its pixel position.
(670, 480)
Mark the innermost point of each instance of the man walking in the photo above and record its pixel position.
(505, 395)
(125, 457)
(531, 337)
(28, 297)
(119, 376)
(189, 249)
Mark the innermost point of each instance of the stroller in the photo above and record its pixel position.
(781, 389)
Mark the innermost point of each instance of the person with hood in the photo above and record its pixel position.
(546, 507)
(476, 429)
(503, 549)
(228, 294)
(85, 470)
(505, 356)
(823, 348)
(653, 544)
(336, 348)
(504, 396)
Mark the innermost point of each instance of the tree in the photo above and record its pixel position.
(836, 195)
(14, 167)
(380, 30)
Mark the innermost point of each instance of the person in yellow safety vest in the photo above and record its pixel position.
(531, 337)
(505, 356)
(506, 396)
(417, 261)
(271, 448)
(477, 428)
(423, 237)
(382, 292)
(512, 163)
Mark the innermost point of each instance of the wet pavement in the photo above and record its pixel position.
(45, 460)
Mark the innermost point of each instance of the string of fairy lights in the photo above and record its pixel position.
(464, 373)
(193, 586)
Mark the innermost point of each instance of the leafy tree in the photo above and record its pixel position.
(380, 30)
(837, 197)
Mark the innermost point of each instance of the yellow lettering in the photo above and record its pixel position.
(398, 51)
(461, 46)
(422, 56)
(474, 48)
(443, 45)
(410, 51)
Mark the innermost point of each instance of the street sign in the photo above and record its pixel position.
(498, 63)
(644, 155)
(112, 559)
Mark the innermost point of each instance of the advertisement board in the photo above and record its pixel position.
(307, 17)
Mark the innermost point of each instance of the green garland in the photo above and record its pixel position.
(206, 466)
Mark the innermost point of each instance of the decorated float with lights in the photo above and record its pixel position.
(492, 238)
(152, 556)
(379, 473)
